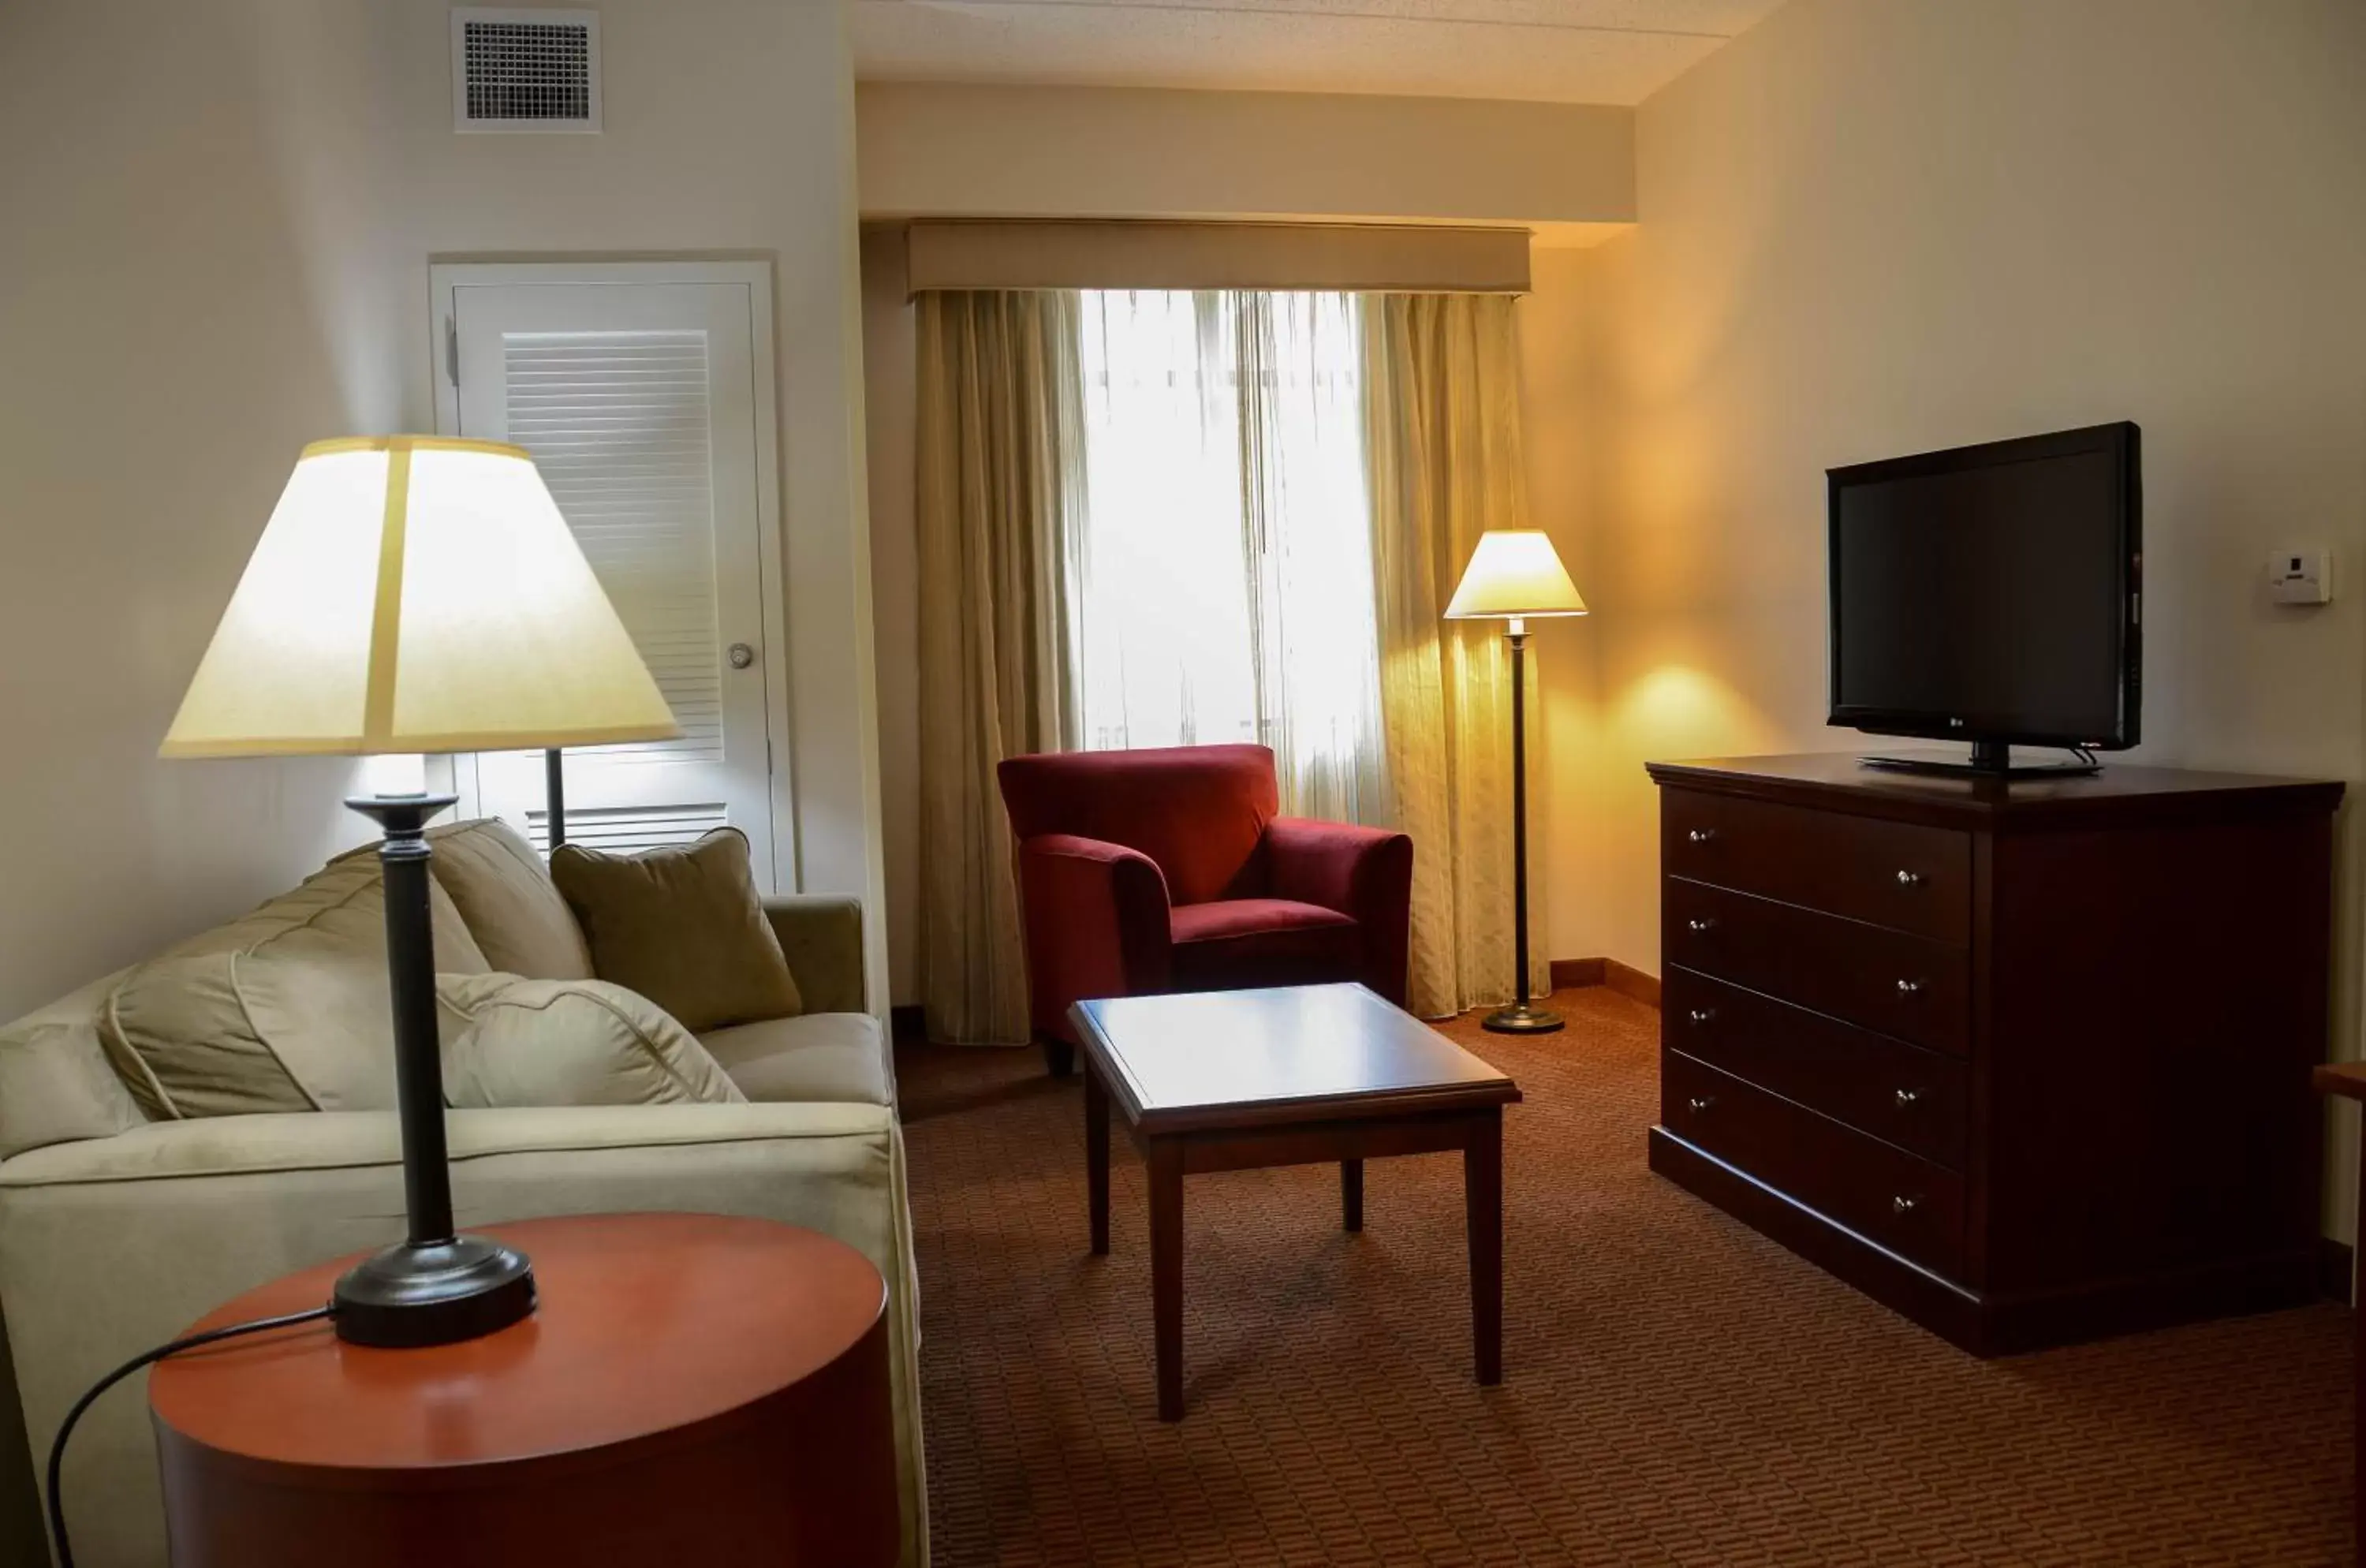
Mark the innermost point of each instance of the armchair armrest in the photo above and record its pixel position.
(1097, 920)
(821, 936)
(1363, 871)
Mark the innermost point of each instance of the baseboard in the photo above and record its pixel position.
(908, 1024)
(1574, 973)
(2333, 1261)
(1628, 981)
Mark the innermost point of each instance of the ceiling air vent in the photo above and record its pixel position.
(523, 69)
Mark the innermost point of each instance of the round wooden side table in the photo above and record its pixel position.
(693, 1389)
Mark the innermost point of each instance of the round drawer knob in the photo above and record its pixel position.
(1703, 1015)
(1910, 879)
(1910, 988)
(1703, 926)
(1701, 1102)
(1902, 1206)
(1701, 835)
(1908, 1098)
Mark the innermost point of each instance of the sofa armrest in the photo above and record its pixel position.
(1363, 871)
(1098, 924)
(821, 936)
(109, 1246)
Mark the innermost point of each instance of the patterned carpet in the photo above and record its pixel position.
(1678, 1390)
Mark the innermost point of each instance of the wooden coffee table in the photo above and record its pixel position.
(1231, 1080)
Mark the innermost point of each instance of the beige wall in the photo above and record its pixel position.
(943, 150)
(188, 294)
(1557, 361)
(889, 417)
(1872, 227)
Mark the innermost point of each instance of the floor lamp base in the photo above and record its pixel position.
(1521, 1019)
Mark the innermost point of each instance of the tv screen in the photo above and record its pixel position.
(1990, 593)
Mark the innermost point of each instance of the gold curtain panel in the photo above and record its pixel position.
(1356, 258)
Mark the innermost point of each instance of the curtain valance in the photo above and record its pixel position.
(1355, 258)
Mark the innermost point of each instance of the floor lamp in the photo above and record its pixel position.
(1513, 576)
(415, 595)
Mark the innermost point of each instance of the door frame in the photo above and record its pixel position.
(445, 278)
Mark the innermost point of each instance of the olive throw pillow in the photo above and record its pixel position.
(683, 927)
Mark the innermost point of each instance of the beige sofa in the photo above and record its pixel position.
(116, 1230)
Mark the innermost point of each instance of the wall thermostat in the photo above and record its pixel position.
(2300, 576)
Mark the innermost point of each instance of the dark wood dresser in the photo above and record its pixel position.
(2027, 1061)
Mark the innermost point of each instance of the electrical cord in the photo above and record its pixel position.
(194, 1341)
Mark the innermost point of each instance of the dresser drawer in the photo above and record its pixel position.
(1889, 874)
(1909, 1205)
(1884, 980)
(1899, 1093)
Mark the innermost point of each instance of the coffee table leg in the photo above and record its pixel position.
(1482, 1200)
(1166, 1271)
(1097, 1155)
(1351, 1194)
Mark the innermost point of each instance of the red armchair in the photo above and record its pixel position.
(1169, 871)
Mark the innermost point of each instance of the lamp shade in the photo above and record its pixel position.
(413, 593)
(1514, 573)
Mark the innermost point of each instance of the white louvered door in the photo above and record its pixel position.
(639, 401)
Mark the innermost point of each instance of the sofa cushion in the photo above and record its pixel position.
(1235, 943)
(55, 1083)
(510, 1041)
(504, 893)
(683, 927)
(284, 1010)
(838, 1058)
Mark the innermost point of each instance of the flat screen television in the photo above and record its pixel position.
(1992, 594)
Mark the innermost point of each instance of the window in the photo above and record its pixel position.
(1224, 562)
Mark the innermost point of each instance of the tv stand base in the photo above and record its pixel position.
(1991, 760)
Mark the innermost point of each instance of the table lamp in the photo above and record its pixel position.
(414, 594)
(1515, 576)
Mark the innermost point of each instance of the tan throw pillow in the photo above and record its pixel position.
(683, 927)
(509, 1041)
(285, 1009)
(505, 893)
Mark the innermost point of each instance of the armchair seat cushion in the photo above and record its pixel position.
(1230, 943)
(822, 1057)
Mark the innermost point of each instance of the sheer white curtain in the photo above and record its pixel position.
(1225, 587)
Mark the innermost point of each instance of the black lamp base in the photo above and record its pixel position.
(437, 1293)
(1521, 1019)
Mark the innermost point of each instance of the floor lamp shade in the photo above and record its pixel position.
(411, 595)
(416, 594)
(1514, 574)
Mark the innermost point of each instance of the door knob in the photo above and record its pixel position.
(740, 655)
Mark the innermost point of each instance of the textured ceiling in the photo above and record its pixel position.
(1588, 51)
